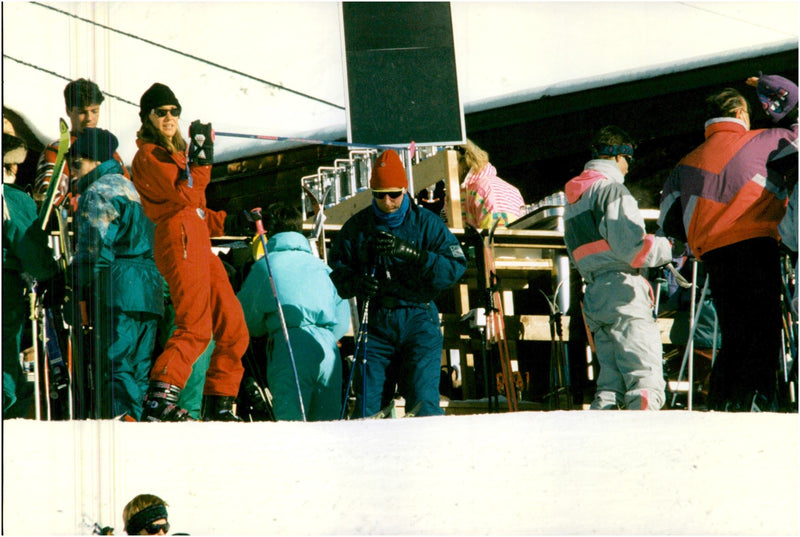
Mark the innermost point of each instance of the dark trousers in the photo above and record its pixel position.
(745, 281)
(404, 350)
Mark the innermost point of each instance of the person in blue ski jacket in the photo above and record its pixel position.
(398, 257)
(26, 256)
(316, 318)
(115, 272)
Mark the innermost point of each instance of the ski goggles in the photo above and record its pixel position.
(394, 194)
(153, 529)
(162, 112)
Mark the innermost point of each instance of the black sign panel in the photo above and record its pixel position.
(401, 73)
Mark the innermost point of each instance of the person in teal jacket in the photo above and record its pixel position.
(315, 315)
(26, 255)
(114, 269)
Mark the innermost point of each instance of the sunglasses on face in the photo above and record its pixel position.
(162, 112)
(628, 159)
(393, 195)
(153, 529)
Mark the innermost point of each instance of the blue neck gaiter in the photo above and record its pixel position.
(392, 220)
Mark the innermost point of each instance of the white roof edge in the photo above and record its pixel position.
(576, 85)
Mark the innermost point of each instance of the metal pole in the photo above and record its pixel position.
(256, 217)
(695, 320)
(35, 335)
(362, 336)
(693, 327)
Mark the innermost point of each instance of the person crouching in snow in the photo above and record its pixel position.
(115, 272)
(606, 240)
(316, 318)
(172, 187)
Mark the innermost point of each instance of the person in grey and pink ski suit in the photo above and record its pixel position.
(605, 237)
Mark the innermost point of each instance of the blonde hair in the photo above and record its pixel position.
(725, 103)
(140, 502)
(149, 133)
(471, 157)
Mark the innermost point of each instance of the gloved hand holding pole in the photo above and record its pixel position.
(389, 245)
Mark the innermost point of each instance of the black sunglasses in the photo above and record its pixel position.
(162, 112)
(394, 195)
(153, 529)
(628, 158)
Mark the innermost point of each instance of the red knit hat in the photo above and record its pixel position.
(388, 173)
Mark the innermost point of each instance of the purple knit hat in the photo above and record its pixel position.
(778, 95)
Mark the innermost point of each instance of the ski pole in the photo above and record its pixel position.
(255, 216)
(411, 146)
(694, 320)
(362, 337)
(35, 334)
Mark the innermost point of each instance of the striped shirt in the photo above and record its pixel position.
(486, 198)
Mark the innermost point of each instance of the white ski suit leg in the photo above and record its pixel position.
(618, 308)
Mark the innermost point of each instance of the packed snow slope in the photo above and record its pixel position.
(528, 473)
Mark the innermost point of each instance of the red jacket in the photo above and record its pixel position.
(161, 181)
(726, 192)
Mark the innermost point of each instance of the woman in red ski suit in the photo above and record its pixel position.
(172, 190)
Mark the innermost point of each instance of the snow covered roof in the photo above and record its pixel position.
(276, 68)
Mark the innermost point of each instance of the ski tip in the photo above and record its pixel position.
(412, 148)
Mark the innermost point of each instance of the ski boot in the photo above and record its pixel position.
(218, 408)
(161, 403)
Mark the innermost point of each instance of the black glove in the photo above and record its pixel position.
(389, 245)
(361, 285)
(202, 143)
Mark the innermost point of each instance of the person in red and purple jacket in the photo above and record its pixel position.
(727, 202)
(605, 236)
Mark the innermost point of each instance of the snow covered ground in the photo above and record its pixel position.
(528, 473)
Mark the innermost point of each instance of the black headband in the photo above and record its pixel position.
(605, 150)
(145, 517)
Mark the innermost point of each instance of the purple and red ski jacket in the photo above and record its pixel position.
(726, 192)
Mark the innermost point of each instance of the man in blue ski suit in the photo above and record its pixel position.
(316, 319)
(397, 256)
(115, 272)
(605, 237)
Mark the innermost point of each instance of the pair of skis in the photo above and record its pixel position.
(508, 381)
(56, 370)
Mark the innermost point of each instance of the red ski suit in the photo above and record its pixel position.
(202, 295)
